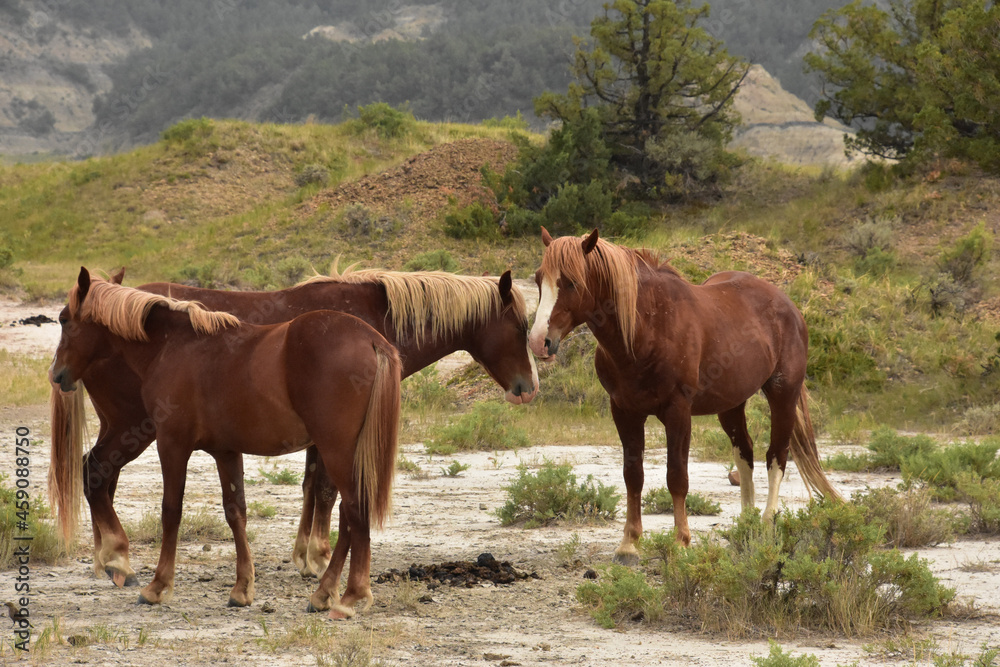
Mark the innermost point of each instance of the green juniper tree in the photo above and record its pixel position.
(663, 90)
(918, 79)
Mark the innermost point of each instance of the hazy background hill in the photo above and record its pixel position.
(87, 78)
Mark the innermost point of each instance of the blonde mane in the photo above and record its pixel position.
(431, 303)
(612, 267)
(123, 310)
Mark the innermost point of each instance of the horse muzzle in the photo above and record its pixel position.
(63, 379)
(521, 392)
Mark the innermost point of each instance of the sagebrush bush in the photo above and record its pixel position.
(488, 426)
(970, 252)
(388, 122)
(983, 498)
(432, 260)
(886, 451)
(475, 221)
(552, 495)
(942, 467)
(820, 568)
(659, 501)
(907, 516)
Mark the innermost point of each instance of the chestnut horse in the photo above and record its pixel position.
(672, 349)
(230, 388)
(426, 315)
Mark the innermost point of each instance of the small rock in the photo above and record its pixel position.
(426, 599)
(590, 574)
(207, 547)
(267, 608)
(77, 640)
(734, 477)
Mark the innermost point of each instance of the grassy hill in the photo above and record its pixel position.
(899, 334)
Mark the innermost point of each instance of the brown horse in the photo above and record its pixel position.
(672, 349)
(228, 388)
(426, 315)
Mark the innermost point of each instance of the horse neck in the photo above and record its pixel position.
(656, 289)
(417, 356)
(162, 326)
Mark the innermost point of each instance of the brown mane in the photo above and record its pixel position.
(613, 267)
(124, 310)
(444, 300)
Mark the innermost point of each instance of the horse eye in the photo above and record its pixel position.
(63, 321)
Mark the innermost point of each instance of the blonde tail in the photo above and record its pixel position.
(69, 427)
(378, 442)
(805, 453)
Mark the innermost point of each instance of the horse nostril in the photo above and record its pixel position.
(548, 342)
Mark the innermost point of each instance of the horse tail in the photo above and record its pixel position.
(69, 425)
(805, 453)
(378, 442)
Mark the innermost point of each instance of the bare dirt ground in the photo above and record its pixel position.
(436, 519)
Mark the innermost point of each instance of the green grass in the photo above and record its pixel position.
(282, 476)
(488, 426)
(201, 524)
(23, 379)
(45, 544)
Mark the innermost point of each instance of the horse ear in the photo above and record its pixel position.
(83, 283)
(590, 242)
(506, 284)
(546, 237)
(118, 277)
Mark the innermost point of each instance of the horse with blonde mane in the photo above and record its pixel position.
(425, 315)
(231, 388)
(672, 349)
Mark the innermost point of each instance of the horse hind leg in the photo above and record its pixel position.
(782, 402)
(230, 466)
(734, 423)
(318, 548)
(301, 548)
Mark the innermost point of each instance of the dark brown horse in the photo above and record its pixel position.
(672, 349)
(229, 388)
(426, 315)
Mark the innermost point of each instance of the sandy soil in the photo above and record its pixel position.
(436, 519)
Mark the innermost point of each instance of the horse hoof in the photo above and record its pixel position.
(341, 613)
(310, 609)
(131, 580)
(233, 602)
(734, 477)
(626, 559)
(119, 578)
(142, 600)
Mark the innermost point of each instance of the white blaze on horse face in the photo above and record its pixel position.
(540, 330)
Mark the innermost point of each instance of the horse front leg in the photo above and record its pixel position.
(101, 467)
(173, 465)
(230, 466)
(301, 549)
(631, 431)
(677, 420)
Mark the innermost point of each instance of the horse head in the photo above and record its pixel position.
(501, 346)
(565, 299)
